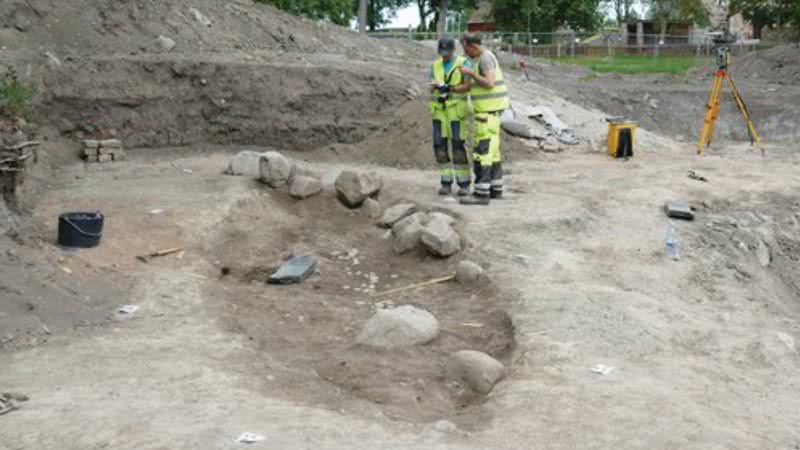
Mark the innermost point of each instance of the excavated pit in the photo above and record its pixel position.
(307, 332)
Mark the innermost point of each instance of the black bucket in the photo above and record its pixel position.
(80, 229)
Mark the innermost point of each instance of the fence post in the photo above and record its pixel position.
(558, 50)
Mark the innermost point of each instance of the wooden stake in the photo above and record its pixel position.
(169, 251)
(418, 285)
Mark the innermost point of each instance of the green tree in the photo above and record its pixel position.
(623, 10)
(430, 12)
(761, 13)
(547, 15)
(380, 12)
(689, 10)
(340, 12)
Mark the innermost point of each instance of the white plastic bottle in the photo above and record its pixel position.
(672, 245)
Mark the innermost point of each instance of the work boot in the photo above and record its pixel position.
(497, 195)
(474, 200)
(445, 190)
(463, 191)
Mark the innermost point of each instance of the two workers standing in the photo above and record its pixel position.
(459, 84)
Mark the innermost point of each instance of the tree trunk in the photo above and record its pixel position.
(362, 16)
(441, 24)
(663, 36)
(619, 9)
(372, 15)
(422, 14)
(757, 26)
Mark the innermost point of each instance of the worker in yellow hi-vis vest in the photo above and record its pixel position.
(489, 96)
(448, 110)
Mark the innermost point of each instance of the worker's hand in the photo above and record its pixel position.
(466, 71)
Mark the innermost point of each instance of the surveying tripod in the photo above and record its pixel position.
(712, 109)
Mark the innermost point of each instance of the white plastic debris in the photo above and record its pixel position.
(602, 369)
(250, 438)
(128, 309)
(156, 211)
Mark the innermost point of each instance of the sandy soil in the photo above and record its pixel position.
(704, 348)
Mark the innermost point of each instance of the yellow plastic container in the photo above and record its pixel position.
(615, 130)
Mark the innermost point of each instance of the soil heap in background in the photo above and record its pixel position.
(166, 73)
(778, 65)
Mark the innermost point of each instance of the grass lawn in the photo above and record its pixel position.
(633, 64)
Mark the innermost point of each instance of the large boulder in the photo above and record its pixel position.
(407, 233)
(396, 213)
(303, 186)
(243, 163)
(275, 169)
(440, 238)
(477, 370)
(355, 187)
(403, 326)
(468, 273)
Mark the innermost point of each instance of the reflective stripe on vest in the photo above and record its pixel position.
(491, 99)
(453, 78)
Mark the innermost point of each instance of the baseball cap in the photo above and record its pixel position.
(446, 46)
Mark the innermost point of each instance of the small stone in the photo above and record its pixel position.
(198, 16)
(469, 273)
(164, 44)
(22, 22)
(479, 371)
(372, 207)
(396, 213)
(304, 186)
(403, 326)
(104, 158)
(407, 233)
(91, 144)
(763, 254)
(440, 239)
(353, 188)
(445, 426)
(274, 169)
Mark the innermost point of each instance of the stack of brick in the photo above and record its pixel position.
(103, 151)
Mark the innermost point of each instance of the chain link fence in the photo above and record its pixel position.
(601, 44)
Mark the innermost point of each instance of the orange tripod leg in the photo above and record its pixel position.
(751, 127)
(712, 110)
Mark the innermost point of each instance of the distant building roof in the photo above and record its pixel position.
(483, 14)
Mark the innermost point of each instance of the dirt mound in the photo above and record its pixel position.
(406, 142)
(777, 65)
(238, 72)
(93, 27)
